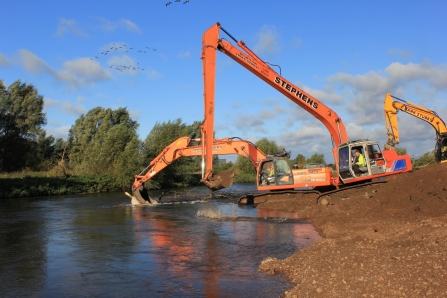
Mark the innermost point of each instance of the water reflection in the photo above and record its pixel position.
(100, 246)
(22, 249)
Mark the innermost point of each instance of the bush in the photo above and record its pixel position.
(33, 186)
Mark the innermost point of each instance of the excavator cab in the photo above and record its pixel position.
(375, 161)
(275, 170)
(441, 149)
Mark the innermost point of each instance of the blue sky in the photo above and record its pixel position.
(348, 54)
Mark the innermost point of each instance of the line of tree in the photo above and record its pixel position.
(105, 142)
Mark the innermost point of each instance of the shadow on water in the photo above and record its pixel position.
(98, 245)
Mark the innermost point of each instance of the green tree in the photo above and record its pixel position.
(105, 141)
(401, 151)
(21, 121)
(44, 157)
(300, 161)
(267, 146)
(316, 158)
(426, 159)
(183, 171)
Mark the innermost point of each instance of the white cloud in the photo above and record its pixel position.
(297, 43)
(364, 94)
(128, 25)
(32, 63)
(124, 64)
(85, 71)
(251, 122)
(267, 40)
(69, 26)
(125, 24)
(66, 107)
(434, 75)
(76, 73)
(184, 54)
(4, 62)
(422, 83)
(102, 95)
(401, 53)
(153, 74)
(135, 114)
(77, 109)
(326, 97)
(58, 132)
(49, 102)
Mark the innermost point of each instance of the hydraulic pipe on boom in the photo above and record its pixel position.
(392, 105)
(379, 163)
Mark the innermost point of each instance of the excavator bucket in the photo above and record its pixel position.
(141, 197)
(221, 180)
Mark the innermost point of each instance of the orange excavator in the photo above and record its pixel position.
(392, 105)
(182, 147)
(378, 163)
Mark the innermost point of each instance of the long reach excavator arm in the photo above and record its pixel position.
(378, 163)
(182, 148)
(392, 105)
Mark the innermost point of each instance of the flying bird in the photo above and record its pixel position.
(168, 3)
(186, 2)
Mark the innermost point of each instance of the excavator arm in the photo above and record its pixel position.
(211, 42)
(181, 147)
(392, 105)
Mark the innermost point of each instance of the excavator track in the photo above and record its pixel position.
(330, 197)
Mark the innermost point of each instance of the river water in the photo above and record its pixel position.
(100, 246)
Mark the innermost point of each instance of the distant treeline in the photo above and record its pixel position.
(102, 152)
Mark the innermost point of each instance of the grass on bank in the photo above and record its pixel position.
(20, 185)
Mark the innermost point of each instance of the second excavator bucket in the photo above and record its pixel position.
(221, 180)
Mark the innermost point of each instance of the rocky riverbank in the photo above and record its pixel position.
(389, 241)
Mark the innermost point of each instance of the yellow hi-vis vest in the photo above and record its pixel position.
(361, 161)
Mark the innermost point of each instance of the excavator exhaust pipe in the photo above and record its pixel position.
(221, 180)
(141, 197)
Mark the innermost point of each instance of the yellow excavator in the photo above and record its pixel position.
(393, 105)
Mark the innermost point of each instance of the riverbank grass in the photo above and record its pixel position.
(21, 185)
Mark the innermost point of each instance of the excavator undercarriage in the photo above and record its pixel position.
(322, 196)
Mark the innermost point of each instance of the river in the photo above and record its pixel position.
(98, 245)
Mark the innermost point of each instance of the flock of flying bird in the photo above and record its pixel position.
(169, 3)
(126, 49)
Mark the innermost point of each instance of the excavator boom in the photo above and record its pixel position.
(212, 42)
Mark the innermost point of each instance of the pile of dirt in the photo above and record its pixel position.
(385, 241)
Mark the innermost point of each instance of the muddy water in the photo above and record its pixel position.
(100, 246)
